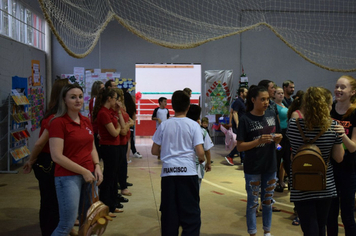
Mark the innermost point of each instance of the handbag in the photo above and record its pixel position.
(97, 217)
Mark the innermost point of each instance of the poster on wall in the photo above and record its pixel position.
(37, 106)
(90, 77)
(218, 86)
(36, 78)
(126, 83)
(35, 95)
(78, 73)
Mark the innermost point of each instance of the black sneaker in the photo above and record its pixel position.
(119, 205)
(279, 189)
(122, 199)
(129, 184)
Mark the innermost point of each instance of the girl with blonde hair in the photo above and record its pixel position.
(313, 206)
(343, 110)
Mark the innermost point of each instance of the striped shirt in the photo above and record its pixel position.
(325, 144)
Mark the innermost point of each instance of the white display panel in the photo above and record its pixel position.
(167, 78)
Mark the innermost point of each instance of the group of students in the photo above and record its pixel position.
(66, 161)
(264, 125)
(65, 158)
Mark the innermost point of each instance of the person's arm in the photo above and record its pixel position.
(56, 146)
(126, 127)
(244, 146)
(156, 149)
(277, 138)
(208, 161)
(123, 124)
(235, 116)
(97, 171)
(294, 115)
(230, 117)
(350, 144)
(134, 117)
(338, 152)
(39, 145)
(131, 122)
(112, 130)
(154, 115)
(199, 150)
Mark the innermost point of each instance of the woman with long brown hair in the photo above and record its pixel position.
(124, 139)
(257, 135)
(109, 129)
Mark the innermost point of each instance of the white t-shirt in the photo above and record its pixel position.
(178, 138)
(208, 144)
(162, 114)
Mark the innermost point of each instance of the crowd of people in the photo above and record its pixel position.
(268, 122)
(268, 138)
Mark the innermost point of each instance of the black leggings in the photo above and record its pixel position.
(313, 215)
(49, 213)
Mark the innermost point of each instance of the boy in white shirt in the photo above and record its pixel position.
(160, 113)
(194, 114)
(178, 141)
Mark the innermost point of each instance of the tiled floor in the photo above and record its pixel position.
(223, 201)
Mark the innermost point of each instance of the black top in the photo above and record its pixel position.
(272, 106)
(262, 158)
(287, 101)
(239, 106)
(349, 162)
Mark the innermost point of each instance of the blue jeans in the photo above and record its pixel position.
(254, 183)
(71, 192)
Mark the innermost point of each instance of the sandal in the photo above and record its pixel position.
(117, 210)
(296, 221)
(112, 215)
(126, 192)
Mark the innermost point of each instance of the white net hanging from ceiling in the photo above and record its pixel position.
(321, 31)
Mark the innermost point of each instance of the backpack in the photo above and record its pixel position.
(97, 217)
(308, 166)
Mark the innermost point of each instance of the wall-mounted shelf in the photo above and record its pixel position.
(17, 133)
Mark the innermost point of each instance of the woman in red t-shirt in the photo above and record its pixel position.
(95, 89)
(71, 143)
(109, 129)
(43, 166)
(124, 138)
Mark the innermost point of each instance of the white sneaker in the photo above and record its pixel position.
(267, 234)
(137, 155)
(129, 161)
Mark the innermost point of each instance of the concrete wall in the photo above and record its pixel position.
(15, 60)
